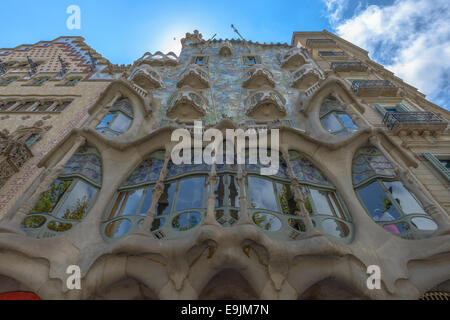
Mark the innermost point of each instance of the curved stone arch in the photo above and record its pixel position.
(116, 91)
(329, 86)
(228, 284)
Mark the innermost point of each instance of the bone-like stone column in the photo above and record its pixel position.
(210, 211)
(413, 185)
(47, 178)
(298, 195)
(157, 191)
(244, 218)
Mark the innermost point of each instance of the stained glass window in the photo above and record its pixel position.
(369, 162)
(148, 170)
(305, 171)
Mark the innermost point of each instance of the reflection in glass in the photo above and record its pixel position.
(286, 197)
(186, 221)
(118, 228)
(406, 201)
(424, 224)
(77, 202)
(166, 199)
(378, 203)
(262, 194)
(267, 221)
(190, 195)
(335, 228)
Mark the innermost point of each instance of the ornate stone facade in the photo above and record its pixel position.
(363, 177)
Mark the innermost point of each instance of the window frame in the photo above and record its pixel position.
(245, 59)
(344, 129)
(194, 57)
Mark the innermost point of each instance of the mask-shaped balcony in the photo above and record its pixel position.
(186, 105)
(420, 122)
(257, 77)
(146, 77)
(293, 59)
(306, 76)
(195, 77)
(13, 154)
(226, 49)
(265, 104)
(374, 88)
(159, 59)
(348, 66)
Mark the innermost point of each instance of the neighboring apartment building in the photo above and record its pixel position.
(87, 177)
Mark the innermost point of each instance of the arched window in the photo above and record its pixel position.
(385, 197)
(323, 203)
(118, 120)
(134, 198)
(69, 198)
(334, 118)
(270, 200)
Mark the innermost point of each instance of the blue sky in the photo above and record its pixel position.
(409, 37)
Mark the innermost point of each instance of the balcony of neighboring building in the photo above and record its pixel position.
(258, 76)
(333, 55)
(13, 154)
(374, 88)
(320, 43)
(420, 122)
(195, 77)
(350, 66)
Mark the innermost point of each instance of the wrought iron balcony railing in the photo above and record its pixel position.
(320, 43)
(348, 66)
(332, 54)
(374, 87)
(414, 120)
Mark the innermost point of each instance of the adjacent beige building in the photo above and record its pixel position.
(87, 178)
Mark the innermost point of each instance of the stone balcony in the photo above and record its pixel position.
(146, 77)
(355, 66)
(13, 155)
(186, 105)
(258, 76)
(374, 88)
(159, 59)
(320, 43)
(265, 104)
(293, 59)
(306, 76)
(405, 123)
(195, 77)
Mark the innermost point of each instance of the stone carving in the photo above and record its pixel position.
(195, 77)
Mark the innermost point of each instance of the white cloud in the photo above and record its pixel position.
(409, 37)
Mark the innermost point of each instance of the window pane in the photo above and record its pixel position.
(262, 194)
(406, 201)
(106, 120)
(190, 195)
(320, 201)
(118, 205)
(48, 200)
(445, 163)
(166, 199)
(219, 192)
(147, 201)
(118, 228)
(267, 221)
(132, 202)
(378, 203)
(347, 121)
(186, 221)
(121, 123)
(286, 197)
(424, 224)
(77, 202)
(331, 123)
(234, 191)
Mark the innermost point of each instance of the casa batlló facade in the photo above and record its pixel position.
(87, 178)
